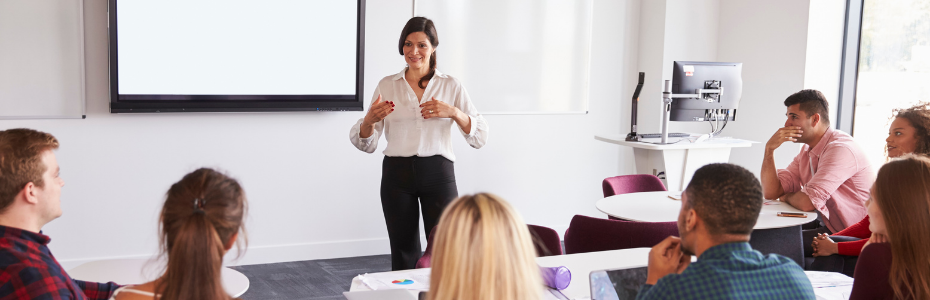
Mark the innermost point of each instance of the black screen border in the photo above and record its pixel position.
(231, 103)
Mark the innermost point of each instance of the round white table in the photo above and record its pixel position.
(137, 271)
(658, 207)
(772, 234)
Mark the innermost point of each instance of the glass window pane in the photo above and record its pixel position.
(894, 68)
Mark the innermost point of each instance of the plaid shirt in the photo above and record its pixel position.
(29, 271)
(734, 271)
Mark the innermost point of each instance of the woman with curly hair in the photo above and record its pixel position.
(909, 134)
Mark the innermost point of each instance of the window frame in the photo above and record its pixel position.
(849, 68)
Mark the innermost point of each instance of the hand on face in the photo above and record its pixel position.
(823, 245)
(437, 109)
(378, 111)
(666, 258)
(784, 134)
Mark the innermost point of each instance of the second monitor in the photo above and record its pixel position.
(690, 76)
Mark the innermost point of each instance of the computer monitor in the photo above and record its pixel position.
(690, 76)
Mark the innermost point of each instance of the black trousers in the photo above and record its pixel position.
(409, 185)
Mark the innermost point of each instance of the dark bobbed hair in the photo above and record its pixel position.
(201, 214)
(812, 102)
(727, 197)
(424, 25)
(919, 117)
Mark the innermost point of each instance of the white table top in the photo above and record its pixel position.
(658, 207)
(720, 142)
(580, 265)
(138, 271)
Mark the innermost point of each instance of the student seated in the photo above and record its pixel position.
(200, 222)
(718, 211)
(896, 263)
(830, 175)
(30, 191)
(483, 250)
(909, 133)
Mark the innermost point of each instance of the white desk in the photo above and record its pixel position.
(678, 160)
(658, 207)
(138, 271)
(582, 264)
(772, 234)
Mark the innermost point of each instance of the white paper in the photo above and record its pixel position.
(830, 285)
(390, 280)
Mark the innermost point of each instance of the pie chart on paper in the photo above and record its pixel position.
(402, 281)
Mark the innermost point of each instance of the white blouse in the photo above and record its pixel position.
(405, 130)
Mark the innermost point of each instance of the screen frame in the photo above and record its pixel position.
(230, 103)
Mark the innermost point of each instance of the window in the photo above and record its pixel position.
(892, 69)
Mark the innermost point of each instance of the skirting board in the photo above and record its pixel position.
(291, 252)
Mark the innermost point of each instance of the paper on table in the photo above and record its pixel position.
(830, 285)
(413, 280)
(675, 196)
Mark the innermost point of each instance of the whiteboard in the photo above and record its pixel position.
(515, 56)
(41, 59)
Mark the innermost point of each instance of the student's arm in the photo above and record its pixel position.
(799, 200)
(96, 290)
(836, 165)
(771, 183)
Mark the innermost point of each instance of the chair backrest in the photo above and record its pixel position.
(632, 184)
(423, 262)
(546, 240)
(871, 276)
(587, 234)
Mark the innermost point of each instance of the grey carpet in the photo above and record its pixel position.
(312, 279)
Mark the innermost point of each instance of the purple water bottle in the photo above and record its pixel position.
(556, 277)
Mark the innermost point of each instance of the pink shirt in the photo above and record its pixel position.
(835, 175)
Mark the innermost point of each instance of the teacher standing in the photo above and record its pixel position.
(415, 110)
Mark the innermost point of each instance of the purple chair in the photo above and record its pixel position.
(626, 184)
(423, 262)
(871, 276)
(637, 183)
(545, 239)
(587, 234)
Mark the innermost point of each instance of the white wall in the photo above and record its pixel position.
(311, 193)
(770, 39)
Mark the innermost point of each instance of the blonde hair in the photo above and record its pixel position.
(902, 193)
(483, 250)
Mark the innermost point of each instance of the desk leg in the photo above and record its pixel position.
(785, 241)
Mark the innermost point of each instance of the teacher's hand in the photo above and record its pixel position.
(377, 112)
(438, 109)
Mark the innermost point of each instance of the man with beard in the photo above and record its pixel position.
(718, 211)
